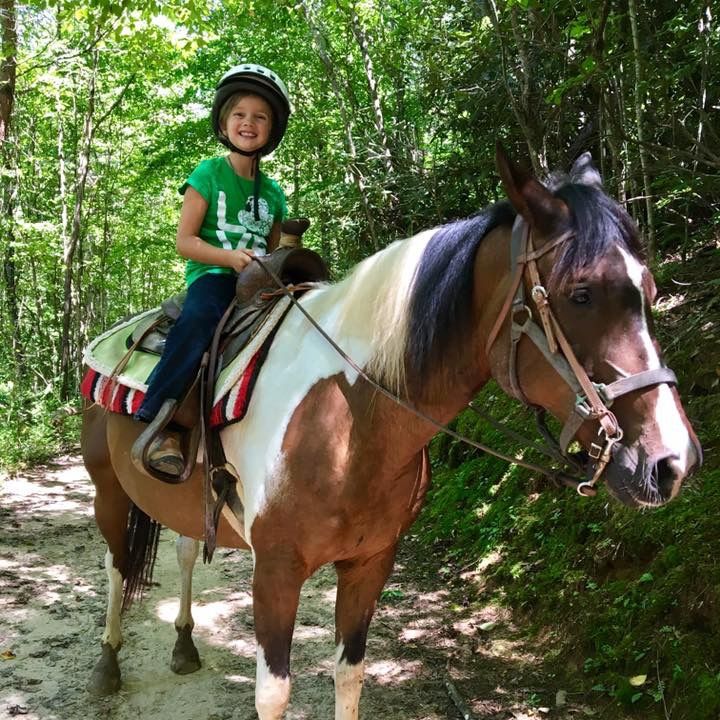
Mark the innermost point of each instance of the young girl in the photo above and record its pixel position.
(231, 211)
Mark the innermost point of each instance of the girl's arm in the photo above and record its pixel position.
(191, 246)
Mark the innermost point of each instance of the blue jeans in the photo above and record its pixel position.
(206, 301)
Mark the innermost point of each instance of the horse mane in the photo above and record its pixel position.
(373, 298)
(440, 311)
(415, 296)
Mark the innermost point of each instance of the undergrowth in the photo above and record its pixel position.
(631, 598)
(34, 427)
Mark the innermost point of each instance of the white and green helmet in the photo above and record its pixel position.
(260, 81)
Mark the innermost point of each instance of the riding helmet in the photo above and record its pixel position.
(260, 81)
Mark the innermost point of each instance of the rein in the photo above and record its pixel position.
(593, 400)
(556, 476)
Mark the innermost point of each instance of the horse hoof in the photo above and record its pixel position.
(185, 657)
(105, 678)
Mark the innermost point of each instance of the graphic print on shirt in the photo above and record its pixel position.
(253, 233)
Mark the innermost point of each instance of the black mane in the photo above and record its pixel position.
(440, 312)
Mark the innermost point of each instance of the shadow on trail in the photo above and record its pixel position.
(52, 604)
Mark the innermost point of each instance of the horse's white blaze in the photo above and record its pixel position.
(272, 693)
(113, 635)
(353, 313)
(187, 550)
(674, 433)
(348, 686)
(668, 419)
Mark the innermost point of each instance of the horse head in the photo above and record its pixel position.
(582, 344)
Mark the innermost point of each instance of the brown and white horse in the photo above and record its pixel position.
(334, 472)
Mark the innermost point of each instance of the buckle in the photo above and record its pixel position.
(517, 309)
(539, 294)
(602, 392)
(582, 408)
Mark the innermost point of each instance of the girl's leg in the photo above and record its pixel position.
(207, 299)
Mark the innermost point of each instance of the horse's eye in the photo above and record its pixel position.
(580, 296)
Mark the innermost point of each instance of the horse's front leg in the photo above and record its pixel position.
(185, 657)
(360, 583)
(277, 579)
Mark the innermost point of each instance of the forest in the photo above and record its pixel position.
(396, 109)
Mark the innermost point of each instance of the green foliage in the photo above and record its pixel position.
(633, 597)
(449, 79)
(33, 428)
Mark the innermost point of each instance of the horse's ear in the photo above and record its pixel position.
(537, 205)
(584, 171)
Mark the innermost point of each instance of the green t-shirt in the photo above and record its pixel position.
(230, 218)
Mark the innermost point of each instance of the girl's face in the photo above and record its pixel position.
(248, 123)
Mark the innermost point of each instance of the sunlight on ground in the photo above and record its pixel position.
(30, 571)
(46, 499)
(243, 647)
(391, 672)
(61, 573)
(419, 628)
(240, 679)
(412, 634)
(212, 616)
(239, 598)
(10, 613)
(311, 633)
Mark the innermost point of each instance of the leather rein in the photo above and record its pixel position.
(593, 400)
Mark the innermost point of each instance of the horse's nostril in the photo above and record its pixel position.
(668, 476)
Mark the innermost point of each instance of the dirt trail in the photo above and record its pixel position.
(52, 606)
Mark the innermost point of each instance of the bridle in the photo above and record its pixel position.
(592, 400)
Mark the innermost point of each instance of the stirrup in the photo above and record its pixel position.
(143, 447)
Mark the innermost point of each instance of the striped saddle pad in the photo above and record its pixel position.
(123, 393)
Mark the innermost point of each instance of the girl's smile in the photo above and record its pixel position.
(248, 123)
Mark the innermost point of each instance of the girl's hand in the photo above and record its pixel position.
(240, 259)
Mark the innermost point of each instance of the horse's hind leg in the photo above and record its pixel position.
(185, 657)
(111, 515)
(360, 583)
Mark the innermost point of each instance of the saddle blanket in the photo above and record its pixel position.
(125, 392)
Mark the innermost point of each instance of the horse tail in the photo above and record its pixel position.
(143, 534)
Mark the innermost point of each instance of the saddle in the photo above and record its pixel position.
(257, 295)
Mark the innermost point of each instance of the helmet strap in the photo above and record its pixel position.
(255, 155)
(256, 186)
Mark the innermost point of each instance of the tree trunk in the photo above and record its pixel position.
(639, 100)
(71, 243)
(362, 41)
(353, 165)
(527, 117)
(8, 66)
(62, 182)
(8, 70)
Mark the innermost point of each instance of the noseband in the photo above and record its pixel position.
(592, 400)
